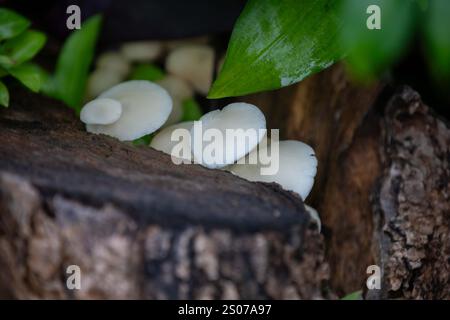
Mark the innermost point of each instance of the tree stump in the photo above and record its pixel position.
(137, 225)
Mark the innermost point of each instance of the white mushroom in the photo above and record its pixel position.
(177, 112)
(101, 80)
(164, 141)
(244, 122)
(115, 62)
(101, 111)
(179, 90)
(145, 108)
(141, 51)
(193, 63)
(297, 167)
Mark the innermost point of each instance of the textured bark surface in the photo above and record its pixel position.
(137, 225)
(383, 183)
(412, 202)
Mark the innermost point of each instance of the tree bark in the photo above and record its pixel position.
(382, 185)
(137, 225)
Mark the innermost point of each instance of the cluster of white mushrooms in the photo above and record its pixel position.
(132, 109)
(189, 65)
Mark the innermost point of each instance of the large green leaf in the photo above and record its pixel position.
(277, 43)
(437, 36)
(73, 63)
(11, 24)
(29, 75)
(371, 51)
(21, 48)
(4, 95)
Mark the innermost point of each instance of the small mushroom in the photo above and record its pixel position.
(101, 111)
(163, 141)
(193, 63)
(101, 80)
(179, 90)
(177, 87)
(239, 117)
(297, 167)
(142, 51)
(145, 108)
(115, 62)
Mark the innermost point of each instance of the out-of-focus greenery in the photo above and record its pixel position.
(144, 141)
(68, 83)
(277, 43)
(357, 295)
(191, 110)
(370, 52)
(436, 31)
(18, 46)
(146, 71)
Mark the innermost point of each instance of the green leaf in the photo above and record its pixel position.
(22, 48)
(73, 63)
(357, 295)
(277, 43)
(30, 75)
(4, 95)
(372, 51)
(437, 36)
(11, 24)
(147, 71)
(145, 140)
(191, 110)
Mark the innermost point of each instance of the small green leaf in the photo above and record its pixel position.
(357, 295)
(277, 43)
(191, 110)
(22, 48)
(4, 95)
(73, 63)
(145, 140)
(11, 24)
(371, 51)
(147, 71)
(29, 75)
(437, 36)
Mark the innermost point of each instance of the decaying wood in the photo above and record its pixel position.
(137, 225)
(383, 183)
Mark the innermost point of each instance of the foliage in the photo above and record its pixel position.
(18, 46)
(68, 83)
(146, 71)
(277, 43)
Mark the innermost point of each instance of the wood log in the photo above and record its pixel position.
(382, 186)
(137, 225)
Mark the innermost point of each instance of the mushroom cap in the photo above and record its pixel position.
(113, 61)
(101, 111)
(296, 171)
(145, 108)
(176, 114)
(141, 51)
(163, 142)
(177, 87)
(193, 63)
(238, 115)
(102, 79)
